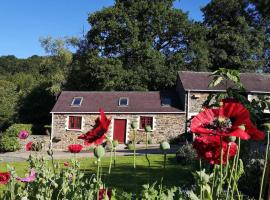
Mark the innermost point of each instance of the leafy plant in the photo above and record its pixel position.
(186, 154)
(9, 144)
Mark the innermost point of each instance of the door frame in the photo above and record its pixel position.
(126, 132)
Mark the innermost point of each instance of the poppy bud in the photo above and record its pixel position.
(115, 143)
(267, 126)
(99, 152)
(231, 139)
(134, 125)
(164, 145)
(242, 127)
(148, 129)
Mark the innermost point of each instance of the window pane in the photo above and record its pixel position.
(75, 122)
(146, 121)
(76, 101)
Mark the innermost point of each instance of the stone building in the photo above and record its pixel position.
(75, 113)
(193, 89)
(165, 111)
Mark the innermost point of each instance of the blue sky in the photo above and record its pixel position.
(23, 22)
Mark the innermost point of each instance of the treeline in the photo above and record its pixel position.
(135, 45)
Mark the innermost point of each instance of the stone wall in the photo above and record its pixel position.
(166, 126)
(196, 100)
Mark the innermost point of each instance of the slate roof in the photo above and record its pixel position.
(199, 81)
(139, 102)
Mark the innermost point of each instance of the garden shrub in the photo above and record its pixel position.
(186, 154)
(9, 144)
(253, 159)
(14, 129)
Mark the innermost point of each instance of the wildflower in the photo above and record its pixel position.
(28, 179)
(66, 164)
(28, 146)
(23, 135)
(97, 134)
(75, 148)
(4, 178)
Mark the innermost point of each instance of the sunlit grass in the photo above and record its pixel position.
(124, 176)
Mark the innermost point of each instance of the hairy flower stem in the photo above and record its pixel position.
(146, 155)
(134, 149)
(111, 157)
(236, 171)
(221, 168)
(227, 162)
(201, 191)
(265, 164)
(214, 180)
(114, 156)
(230, 179)
(165, 158)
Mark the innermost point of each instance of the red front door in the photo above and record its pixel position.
(119, 130)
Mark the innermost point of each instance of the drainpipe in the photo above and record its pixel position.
(187, 108)
(51, 135)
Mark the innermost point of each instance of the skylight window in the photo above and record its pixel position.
(123, 101)
(166, 101)
(77, 101)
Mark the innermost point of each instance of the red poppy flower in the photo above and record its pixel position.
(226, 121)
(4, 178)
(75, 148)
(66, 164)
(28, 146)
(209, 148)
(102, 193)
(97, 134)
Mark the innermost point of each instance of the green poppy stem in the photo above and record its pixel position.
(165, 158)
(214, 180)
(201, 190)
(134, 149)
(235, 187)
(221, 168)
(114, 157)
(265, 164)
(111, 155)
(146, 155)
(230, 179)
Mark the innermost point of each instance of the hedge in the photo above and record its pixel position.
(14, 129)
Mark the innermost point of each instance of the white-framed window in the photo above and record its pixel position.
(74, 123)
(123, 101)
(146, 121)
(77, 101)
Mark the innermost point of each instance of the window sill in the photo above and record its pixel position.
(77, 130)
(143, 130)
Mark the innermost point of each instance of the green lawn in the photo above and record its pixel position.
(124, 176)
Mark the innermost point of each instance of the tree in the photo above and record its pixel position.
(235, 36)
(56, 66)
(8, 102)
(143, 42)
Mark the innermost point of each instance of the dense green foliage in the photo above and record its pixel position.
(135, 45)
(138, 45)
(235, 35)
(9, 143)
(14, 130)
